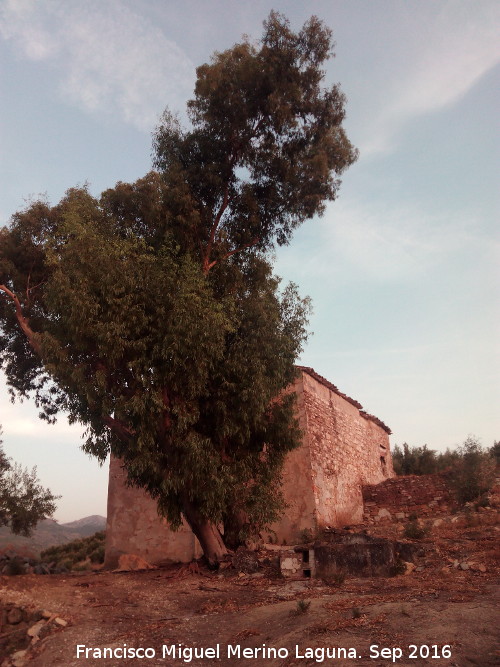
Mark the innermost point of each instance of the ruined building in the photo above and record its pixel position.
(343, 448)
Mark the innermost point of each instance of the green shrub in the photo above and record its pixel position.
(15, 566)
(97, 556)
(424, 461)
(473, 474)
(398, 568)
(303, 606)
(414, 460)
(85, 549)
(495, 452)
(414, 531)
(82, 567)
(483, 501)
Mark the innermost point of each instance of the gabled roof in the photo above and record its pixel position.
(332, 387)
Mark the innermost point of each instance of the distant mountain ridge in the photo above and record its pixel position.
(88, 525)
(49, 533)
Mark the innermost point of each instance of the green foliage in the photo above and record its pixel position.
(306, 536)
(423, 461)
(414, 530)
(15, 567)
(303, 606)
(97, 556)
(23, 501)
(85, 549)
(474, 472)
(82, 567)
(266, 145)
(151, 314)
(495, 452)
(483, 501)
(414, 460)
(398, 568)
(471, 468)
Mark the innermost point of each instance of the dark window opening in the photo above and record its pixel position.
(383, 465)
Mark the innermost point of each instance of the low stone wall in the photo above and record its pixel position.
(399, 497)
(21, 628)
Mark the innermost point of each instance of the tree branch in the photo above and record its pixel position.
(119, 428)
(213, 230)
(23, 321)
(233, 252)
(30, 289)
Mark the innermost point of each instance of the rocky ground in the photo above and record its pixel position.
(446, 607)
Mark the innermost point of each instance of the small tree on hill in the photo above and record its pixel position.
(495, 452)
(414, 460)
(473, 473)
(23, 501)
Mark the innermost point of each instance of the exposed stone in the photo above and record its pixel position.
(361, 555)
(60, 621)
(34, 631)
(464, 566)
(129, 562)
(14, 616)
(476, 567)
(403, 496)
(17, 659)
(409, 567)
(290, 564)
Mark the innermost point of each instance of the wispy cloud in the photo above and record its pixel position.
(386, 241)
(383, 242)
(110, 59)
(456, 47)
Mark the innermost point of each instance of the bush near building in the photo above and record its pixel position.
(470, 467)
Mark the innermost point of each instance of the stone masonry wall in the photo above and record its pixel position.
(348, 448)
(396, 499)
(134, 527)
(297, 486)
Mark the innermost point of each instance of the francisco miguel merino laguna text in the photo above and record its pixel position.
(189, 653)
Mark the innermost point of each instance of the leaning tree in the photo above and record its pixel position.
(151, 314)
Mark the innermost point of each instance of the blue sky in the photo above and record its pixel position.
(402, 269)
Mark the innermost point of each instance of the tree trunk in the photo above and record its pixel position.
(207, 533)
(234, 528)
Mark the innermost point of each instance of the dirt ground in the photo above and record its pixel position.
(447, 609)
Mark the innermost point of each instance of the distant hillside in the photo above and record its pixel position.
(50, 533)
(87, 526)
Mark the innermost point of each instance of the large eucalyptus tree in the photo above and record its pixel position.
(151, 314)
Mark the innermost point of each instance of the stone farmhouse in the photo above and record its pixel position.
(343, 449)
